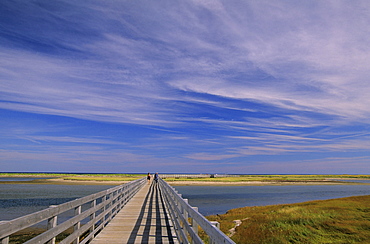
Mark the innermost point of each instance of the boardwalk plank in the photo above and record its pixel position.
(142, 220)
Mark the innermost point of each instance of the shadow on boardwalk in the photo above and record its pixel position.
(143, 220)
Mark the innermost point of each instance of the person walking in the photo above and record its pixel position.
(156, 177)
(148, 178)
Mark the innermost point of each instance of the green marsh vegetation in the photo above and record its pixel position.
(31, 232)
(234, 179)
(343, 220)
(273, 178)
(109, 177)
(51, 177)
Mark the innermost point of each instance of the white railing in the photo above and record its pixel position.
(93, 211)
(187, 219)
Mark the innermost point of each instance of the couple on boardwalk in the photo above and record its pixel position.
(155, 177)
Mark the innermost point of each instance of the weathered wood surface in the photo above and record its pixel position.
(143, 220)
(188, 219)
(109, 203)
(135, 212)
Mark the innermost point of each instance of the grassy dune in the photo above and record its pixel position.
(344, 220)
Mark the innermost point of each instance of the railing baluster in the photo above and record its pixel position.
(185, 218)
(186, 215)
(5, 240)
(216, 225)
(194, 224)
(189, 228)
(109, 206)
(52, 222)
(77, 225)
(112, 205)
(93, 215)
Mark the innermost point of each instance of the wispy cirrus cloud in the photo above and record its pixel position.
(194, 80)
(317, 77)
(307, 64)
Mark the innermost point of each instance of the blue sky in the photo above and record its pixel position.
(248, 87)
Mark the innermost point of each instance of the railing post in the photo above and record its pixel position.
(119, 199)
(113, 202)
(178, 204)
(216, 225)
(5, 240)
(104, 199)
(52, 222)
(93, 215)
(186, 215)
(77, 225)
(111, 197)
(194, 224)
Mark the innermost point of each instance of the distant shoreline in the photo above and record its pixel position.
(118, 179)
(260, 183)
(185, 183)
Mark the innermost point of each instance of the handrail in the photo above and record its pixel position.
(92, 213)
(186, 219)
(101, 208)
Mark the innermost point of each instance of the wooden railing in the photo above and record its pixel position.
(90, 215)
(187, 219)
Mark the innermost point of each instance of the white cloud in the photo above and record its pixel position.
(209, 156)
(237, 77)
(310, 61)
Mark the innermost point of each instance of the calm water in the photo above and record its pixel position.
(19, 199)
(219, 199)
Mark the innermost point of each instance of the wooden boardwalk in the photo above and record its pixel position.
(143, 220)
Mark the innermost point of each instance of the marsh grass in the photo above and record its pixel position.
(104, 177)
(74, 177)
(238, 178)
(25, 235)
(273, 178)
(344, 220)
(31, 232)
